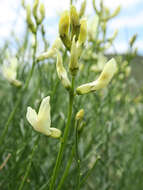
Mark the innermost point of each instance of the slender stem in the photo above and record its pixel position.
(69, 161)
(66, 169)
(64, 140)
(4, 132)
(77, 159)
(88, 173)
(29, 164)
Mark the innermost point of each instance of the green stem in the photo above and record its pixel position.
(66, 170)
(88, 173)
(73, 152)
(11, 116)
(29, 164)
(77, 159)
(64, 140)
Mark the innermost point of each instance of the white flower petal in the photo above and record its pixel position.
(31, 116)
(107, 73)
(44, 119)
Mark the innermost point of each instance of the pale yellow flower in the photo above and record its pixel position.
(64, 23)
(103, 80)
(51, 53)
(41, 122)
(83, 31)
(61, 71)
(10, 72)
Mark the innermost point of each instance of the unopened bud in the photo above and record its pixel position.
(64, 24)
(42, 13)
(74, 20)
(23, 3)
(82, 9)
(35, 9)
(133, 39)
(114, 35)
(73, 66)
(29, 19)
(107, 11)
(83, 31)
(62, 73)
(80, 114)
(116, 12)
(74, 17)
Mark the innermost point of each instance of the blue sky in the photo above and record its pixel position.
(128, 22)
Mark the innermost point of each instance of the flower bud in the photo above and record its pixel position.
(82, 9)
(62, 74)
(104, 78)
(42, 12)
(29, 19)
(133, 39)
(64, 24)
(112, 38)
(80, 114)
(23, 3)
(116, 12)
(73, 66)
(83, 31)
(74, 20)
(107, 11)
(35, 9)
(55, 133)
(74, 17)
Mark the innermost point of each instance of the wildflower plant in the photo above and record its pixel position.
(73, 34)
(77, 137)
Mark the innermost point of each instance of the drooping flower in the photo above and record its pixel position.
(41, 122)
(10, 72)
(61, 71)
(52, 51)
(103, 80)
